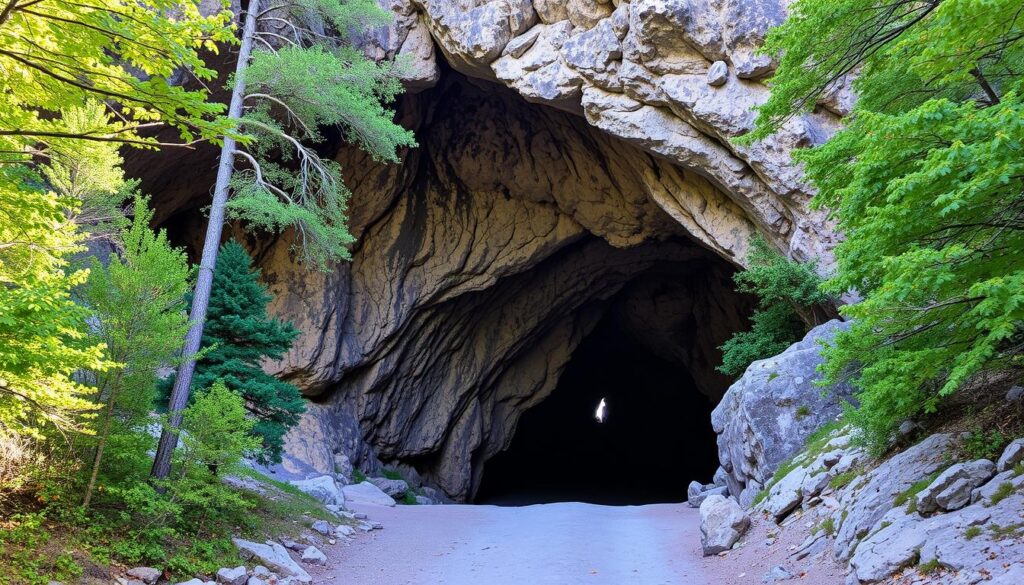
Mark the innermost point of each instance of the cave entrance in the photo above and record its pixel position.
(655, 439)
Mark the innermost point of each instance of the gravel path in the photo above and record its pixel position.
(563, 544)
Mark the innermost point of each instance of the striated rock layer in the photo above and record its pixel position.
(574, 159)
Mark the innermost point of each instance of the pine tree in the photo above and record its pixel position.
(238, 336)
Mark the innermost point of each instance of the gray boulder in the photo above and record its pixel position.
(722, 523)
(766, 416)
(951, 490)
(1012, 455)
(314, 556)
(396, 488)
(367, 493)
(147, 575)
(424, 501)
(274, 556)
(324, 488)
(195, 582)
(235, 576)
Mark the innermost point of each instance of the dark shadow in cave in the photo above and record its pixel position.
(657, 436)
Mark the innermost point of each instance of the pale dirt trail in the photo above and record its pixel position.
(559, 544)
(565, 543)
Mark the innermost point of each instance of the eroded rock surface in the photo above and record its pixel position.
(767, 415)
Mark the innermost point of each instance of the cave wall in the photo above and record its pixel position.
(569, 152)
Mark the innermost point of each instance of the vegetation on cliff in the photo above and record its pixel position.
(926, 182)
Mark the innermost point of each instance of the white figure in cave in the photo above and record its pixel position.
(601, 411)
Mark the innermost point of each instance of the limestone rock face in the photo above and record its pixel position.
(663, 61)
(767, 415)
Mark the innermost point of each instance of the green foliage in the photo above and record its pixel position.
(926, 183)
(972, 532)
(237, 338)
(307, 82)
(1003, 491)
(784, 289)
(828, 526)
(65, 54)
(392, 474)
(982, 445)
(43, 337)
(929, 567)
(358, 476)
(841, 480)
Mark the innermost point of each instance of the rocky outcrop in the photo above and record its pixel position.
(767, 415)
(952, 520)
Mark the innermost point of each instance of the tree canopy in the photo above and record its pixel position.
(927, 184)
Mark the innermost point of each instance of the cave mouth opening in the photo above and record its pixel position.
(655, 439)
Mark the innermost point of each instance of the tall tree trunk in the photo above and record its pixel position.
(98, 457)
(201, 298)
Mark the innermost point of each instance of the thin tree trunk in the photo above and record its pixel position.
(99, 449)
(204, 281)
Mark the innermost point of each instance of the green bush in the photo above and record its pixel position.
(785, 291)
(982, 445)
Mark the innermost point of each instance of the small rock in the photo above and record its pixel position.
(292, 545)
(722, 523)
(693, 492)
(359, 516)
(697, 499)
(777, 573)
(718, 74)
(906, 428)
(254, 580)
(314, 556)
(424, 501)
(1012, 455)
(1015, 393)
(374, 525)
(147, 575)
(235, 576)
(261, 572)
(344, 530)
(193, 582)
(323, 527)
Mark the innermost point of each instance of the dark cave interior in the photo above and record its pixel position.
(656, 437)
